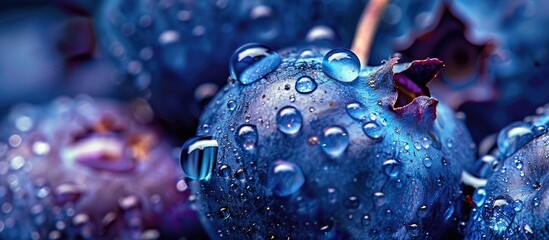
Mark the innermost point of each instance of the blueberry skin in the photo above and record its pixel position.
(521, 184)
(358, 194)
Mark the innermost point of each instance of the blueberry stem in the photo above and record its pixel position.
(366, 29)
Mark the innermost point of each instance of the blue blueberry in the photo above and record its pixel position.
(336, 162)
(514, 203)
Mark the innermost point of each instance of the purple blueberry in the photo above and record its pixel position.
(86, 169)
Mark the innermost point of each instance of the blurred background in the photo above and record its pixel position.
(98, 92)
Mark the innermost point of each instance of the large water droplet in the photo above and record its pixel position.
(341, 64)
(198, 156)
(514, 136)
(247, 136)
(356, 110)
(305, 84)
(334, 140)
(391, 167)
(253, 61)
(285, 178)
(289, 120)
(499, 214)
(373, 130)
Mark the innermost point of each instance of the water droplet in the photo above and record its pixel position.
(285, 178)
(422, 211)
(365, 220)
(379, 198)
(198, 156)
(373, 130)
(292, 98)
(479, 196)
(253, 61)
(223, 213)
(536, 201)
(231, 105)
(357, 111)
(341, 64)
(352, 202)
(334, 140)
(247, 137)
(450, 143)
(305, 84)
(413, 229)
(518, 164)
(514, 136)
(391, 167)
(427, 162)
(517, 205)
(499, 214)
(320, 33)
(289, 120)
(224, 171)
(425, 142)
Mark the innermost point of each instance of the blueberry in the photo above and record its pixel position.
(346, 159)
(514, 202)
(86, 169)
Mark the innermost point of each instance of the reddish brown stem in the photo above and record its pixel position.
(366, 29)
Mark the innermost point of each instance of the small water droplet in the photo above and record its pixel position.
(422, 211)
(285, 178)
(252, 62)
(391, 167)
(305, 84)
(341, 64)
(231, 105)
(379, 198)
(246, 137)
(366, 220)
(413, 229)
(289, 120)
(357, 111)
(425, 142)
(352, 202)
(223, 213)
(373, 130)
(292, 98)
(224, 171)
(198, 155)
(517, 205)
(518, 164)
(334, 141)
(427, 162)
